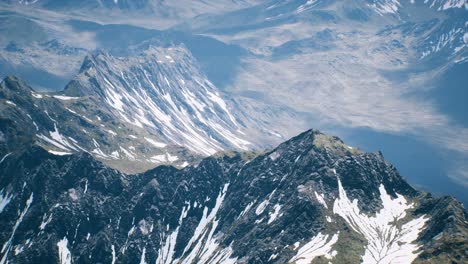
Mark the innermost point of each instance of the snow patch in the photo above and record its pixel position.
(113, 254)
(142, 259)
(7, 246)
(65, 98)
(5, 199)
(4, 157)
(36, 95)
(45, 221)
(155, 143)
(10, 103)
(59, 153)
(64, 253)
(388, 242)
(275, 213)
(261, 207)
(321, 199)
(319, 245)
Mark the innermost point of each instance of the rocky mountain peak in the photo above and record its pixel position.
(154, 107)
(163, 91)
(298, 203)
(15, 84)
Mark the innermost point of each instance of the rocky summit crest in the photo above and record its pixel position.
(308, 200)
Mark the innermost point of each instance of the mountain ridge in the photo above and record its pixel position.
(227, 209)
(158, 99)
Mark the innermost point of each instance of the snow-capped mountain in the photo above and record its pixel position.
(444, 36)
(142, 159)
(165, 93)
(312, 198)
(394, 6)
(64, 125)
(133, 113)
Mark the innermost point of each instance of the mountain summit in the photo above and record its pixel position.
(313, 199)
(163, 91)
(133, 112)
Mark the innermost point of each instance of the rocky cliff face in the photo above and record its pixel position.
(164, 92)
(133, 113)
(311, 199)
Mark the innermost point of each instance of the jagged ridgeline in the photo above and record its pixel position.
(312, 199)
(134, 112)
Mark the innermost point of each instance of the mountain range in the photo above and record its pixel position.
(157, 132)
(311, 199)
(133, 113)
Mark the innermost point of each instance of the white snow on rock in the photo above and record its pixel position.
(307, 5)
(113, 254)
(167, 157)
(321, 199)
(388, 242)
(36, 95)
(5, 199)
(45, 221)
(127, 153)
(64, 253)
(10, 103)
(261, 207)
(4, 157)
(443, 41)
(7, 246)
(446, 4)
(246, 209)
(59, 153)
(319, 245)
(148, 94)
(142, 259)
(275, 213)
(202, 246)
(65, 98)
(383, 7)
(155, 143)
(59, 141)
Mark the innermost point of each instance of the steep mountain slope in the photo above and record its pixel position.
(132, 113)
(64, 125)
(313, 198)
(163, 91)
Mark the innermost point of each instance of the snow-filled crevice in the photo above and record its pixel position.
(64, 253)
(203, 247)
(389, 238)
(8, 244)
(319, 245)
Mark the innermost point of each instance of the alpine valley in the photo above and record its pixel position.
(171, 132)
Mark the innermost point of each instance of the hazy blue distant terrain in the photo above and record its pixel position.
(148, 83)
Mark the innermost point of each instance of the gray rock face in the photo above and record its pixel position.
(163, 92)
(133, 113)
(64, 125)
(312, 198)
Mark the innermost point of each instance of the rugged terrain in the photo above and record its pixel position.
(134, 112)
(144, 131)
(311, 199)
